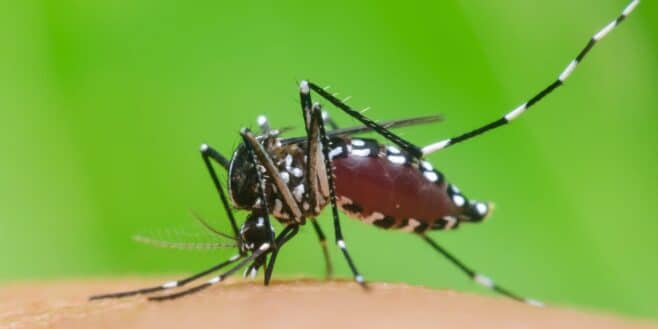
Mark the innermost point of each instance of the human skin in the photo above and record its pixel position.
(284, 304)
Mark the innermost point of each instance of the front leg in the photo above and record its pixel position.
(208, 153)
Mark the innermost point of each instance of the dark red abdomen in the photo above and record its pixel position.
(382, 186)
(398, 190)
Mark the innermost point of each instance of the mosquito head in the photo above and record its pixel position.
(254, 231)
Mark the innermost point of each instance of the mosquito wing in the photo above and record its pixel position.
(392, 124)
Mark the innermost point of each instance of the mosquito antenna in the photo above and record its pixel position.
(210, 228)
(182, 245)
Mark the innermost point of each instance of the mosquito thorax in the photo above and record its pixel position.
(242, 179)
(290, 161)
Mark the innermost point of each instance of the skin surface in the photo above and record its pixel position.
(285, 304)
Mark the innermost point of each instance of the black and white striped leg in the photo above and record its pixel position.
(208, 153)
(535, 99)
(340, 241)
(329, 269)
(170, 284)
(386, 133)
(288, 233)
(265, 247)
(252, 270)
(477, 277)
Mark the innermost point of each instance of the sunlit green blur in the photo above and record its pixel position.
(103, 105)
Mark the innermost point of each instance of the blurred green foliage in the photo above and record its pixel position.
(103, 105)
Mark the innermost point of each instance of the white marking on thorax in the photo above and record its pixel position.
(285, 176)
(297, 172)
(298, 192)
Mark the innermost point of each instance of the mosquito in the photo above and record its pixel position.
(389, 186)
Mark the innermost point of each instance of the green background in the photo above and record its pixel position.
(103, 105)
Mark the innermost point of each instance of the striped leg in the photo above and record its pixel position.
(479, 278)
(260, 251)
(170, 284)
(523, 107)
(283, 237)
(306, 86)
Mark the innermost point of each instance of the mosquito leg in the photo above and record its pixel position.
(317, 114)
(208, 153)
(325, 251)
(288, 233)
(252, 270)
(386, 133)
(214, 280)
(539, 96)
(478, 278)
(170, 284)
(314, 165)
(306, 103)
